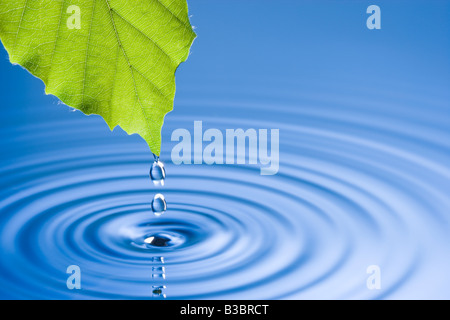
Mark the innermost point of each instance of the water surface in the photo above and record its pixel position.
(363, 180)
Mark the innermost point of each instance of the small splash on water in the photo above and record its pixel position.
(159, 205)
(164, 239)
(158, 241)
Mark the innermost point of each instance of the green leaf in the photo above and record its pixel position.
(115, 58)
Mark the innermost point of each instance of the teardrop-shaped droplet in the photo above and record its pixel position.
(157, 173)
(159, 205)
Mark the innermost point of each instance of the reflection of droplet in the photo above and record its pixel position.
(157, 172)
(158, 269)
(158, 259)
(158, 291)
(160, 276)
(159, 205)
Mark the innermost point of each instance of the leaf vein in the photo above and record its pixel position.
(87, 51)
(126, 58)
(146, 36)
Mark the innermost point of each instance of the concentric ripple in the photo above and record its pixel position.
(357, 186)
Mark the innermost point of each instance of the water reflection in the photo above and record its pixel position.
(158, 277)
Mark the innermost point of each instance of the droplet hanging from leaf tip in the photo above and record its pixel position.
(158, 173)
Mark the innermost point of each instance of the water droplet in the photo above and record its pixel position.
(157, 172)
(159, 205)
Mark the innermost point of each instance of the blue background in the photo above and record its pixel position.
(364, 165)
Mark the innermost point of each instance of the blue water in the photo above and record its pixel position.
(364, 173)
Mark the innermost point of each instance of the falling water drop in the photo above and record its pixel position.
(157, 172)
(159, 205)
